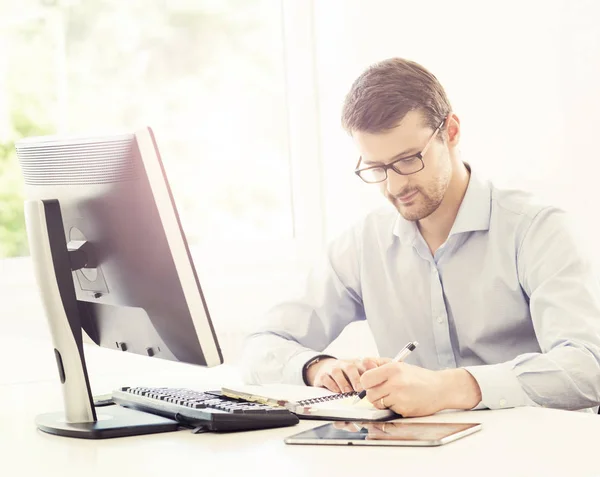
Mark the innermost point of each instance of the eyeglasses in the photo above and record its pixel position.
(404, 166)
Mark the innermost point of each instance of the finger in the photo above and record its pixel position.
(383, 361)
(377, 402)
(360, 366)
(379, 426)
(372, 378)
(328, 382)
(377, 392)
(341, 380)
(375, 377)
(351, 372)
(375, 362)
(374, 395)
(370, 363)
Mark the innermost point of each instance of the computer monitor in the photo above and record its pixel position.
(111, 258)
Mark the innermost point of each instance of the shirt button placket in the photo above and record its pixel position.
(441, 331)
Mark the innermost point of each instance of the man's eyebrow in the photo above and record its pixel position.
(408, 152)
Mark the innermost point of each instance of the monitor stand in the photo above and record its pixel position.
(53, 264)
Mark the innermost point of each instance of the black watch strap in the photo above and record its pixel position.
(312, 361)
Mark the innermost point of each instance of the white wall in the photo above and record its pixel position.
(523, 76)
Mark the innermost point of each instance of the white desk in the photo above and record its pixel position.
(525, 441)
(513, 442)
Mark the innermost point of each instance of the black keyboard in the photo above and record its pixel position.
(210, 411)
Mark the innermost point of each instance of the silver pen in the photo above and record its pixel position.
(401, 356)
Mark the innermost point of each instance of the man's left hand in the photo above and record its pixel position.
(413, 391)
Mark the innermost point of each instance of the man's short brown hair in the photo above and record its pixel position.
(382, 95)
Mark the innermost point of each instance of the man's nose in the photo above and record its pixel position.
(395, 182)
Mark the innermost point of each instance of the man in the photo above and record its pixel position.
(493, 286)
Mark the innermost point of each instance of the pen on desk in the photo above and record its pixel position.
(401, 356)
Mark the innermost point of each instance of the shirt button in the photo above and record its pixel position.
(502, 402)
(440, 319)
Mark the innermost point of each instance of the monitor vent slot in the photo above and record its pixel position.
(83, 163)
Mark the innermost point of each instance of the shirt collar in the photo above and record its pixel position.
(405, 230)
(473, 214)
(475, 210)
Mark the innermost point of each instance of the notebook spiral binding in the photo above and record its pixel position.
(308, 402)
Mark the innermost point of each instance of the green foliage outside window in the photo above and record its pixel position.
(13, 237)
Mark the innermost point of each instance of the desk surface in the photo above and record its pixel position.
(523, 441)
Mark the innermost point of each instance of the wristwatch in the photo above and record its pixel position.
(310, 362)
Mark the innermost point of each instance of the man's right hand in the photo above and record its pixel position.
(341, 375)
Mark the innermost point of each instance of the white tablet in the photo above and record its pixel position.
(395, 433)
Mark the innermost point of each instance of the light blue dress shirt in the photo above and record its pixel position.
(510, 296)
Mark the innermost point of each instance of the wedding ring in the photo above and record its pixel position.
(381, 402)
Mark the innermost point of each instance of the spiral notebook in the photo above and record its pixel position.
(311, 403)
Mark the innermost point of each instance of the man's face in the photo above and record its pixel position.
(418, 195)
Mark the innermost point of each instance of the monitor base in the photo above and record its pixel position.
(112, 421)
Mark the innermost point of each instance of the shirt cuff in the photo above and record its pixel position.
(294, 367)
(499, 386)
(312, 361)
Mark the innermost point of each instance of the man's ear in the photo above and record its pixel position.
(453, 130)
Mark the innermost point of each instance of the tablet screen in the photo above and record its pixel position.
(386, 431)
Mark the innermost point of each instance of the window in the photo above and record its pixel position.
(207, 76)
(227, 88)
